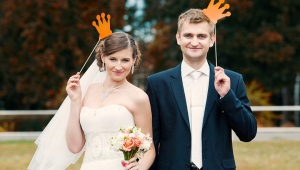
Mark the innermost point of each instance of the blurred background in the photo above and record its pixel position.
(43, 43)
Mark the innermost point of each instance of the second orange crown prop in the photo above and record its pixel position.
(214, 13)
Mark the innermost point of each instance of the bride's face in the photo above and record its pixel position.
(118, 65)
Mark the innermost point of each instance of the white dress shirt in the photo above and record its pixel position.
(196, 100)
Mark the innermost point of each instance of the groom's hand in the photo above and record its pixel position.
(222, 81)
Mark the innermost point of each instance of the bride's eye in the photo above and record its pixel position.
(126, 60)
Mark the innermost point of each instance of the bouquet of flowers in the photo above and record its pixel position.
(132, 142)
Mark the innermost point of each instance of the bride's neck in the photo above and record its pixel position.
(108, 84)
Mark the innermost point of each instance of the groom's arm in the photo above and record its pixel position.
(235, 104)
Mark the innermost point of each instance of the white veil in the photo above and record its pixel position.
(52, 152)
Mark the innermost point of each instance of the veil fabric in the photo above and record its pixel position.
(52, 152)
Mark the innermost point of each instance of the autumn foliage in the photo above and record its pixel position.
(42, 43)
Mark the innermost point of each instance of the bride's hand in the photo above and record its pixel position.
(132, 164)
(73, 87)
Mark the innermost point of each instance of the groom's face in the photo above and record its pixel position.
(195, 39)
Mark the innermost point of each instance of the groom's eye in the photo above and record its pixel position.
(188, 35)
(201, 36)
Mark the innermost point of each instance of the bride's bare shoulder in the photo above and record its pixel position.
(94, 86)
(138, 94)
(93, 89)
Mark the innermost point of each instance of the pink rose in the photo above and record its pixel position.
(126, 131)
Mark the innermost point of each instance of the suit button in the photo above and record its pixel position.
(187, 165)
(188, 145)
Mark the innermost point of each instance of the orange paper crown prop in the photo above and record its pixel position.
(214, 13)
(103, 26)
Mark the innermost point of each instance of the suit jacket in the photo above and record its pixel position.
(171, 127)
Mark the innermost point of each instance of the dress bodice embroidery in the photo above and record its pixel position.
(99, 126)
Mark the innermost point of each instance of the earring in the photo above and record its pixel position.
(103, 66)
(132, 69)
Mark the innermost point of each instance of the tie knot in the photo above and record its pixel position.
(195, 75)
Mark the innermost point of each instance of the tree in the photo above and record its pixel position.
(258, 40)
(42, 43)
(262, 43)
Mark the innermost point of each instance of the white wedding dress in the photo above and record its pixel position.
(99, 126)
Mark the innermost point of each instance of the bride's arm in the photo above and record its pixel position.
(143, 119)
(74, 135)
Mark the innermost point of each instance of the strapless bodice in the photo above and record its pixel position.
(99, 126)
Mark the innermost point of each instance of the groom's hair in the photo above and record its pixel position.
(194, 16)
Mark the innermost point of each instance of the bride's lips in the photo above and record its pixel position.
(118, 72)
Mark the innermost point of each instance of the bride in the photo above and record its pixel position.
(96, 111)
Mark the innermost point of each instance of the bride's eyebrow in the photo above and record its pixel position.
(122, 58)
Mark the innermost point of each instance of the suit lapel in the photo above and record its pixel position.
(212, 95)
(178, 91)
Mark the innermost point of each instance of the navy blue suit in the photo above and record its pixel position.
(171, 127)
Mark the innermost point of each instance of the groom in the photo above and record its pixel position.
(195, 106)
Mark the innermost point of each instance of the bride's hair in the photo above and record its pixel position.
(116, 42)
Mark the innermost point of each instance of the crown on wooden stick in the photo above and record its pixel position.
(103, 27)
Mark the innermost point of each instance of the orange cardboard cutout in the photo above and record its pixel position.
(214, 13)
(103, 27)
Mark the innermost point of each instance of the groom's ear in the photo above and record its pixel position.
(212, 39)
(178, 38)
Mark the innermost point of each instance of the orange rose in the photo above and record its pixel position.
(137, 141)
(128, 144)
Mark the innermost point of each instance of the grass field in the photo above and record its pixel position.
(271, 155)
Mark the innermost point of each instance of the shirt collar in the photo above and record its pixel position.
(186, 69)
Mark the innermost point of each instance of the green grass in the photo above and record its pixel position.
(16, 155)
(271, 155)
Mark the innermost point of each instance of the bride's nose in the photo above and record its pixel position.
(118, 66)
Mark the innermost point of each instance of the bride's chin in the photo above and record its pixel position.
(118, 79)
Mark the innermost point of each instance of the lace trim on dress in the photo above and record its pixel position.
(98, 147)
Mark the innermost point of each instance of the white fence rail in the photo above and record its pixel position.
(52, 112)
(275, 108)
(291, 133)
(26, 112)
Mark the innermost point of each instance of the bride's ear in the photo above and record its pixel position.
(134, 60)
(102, 58)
